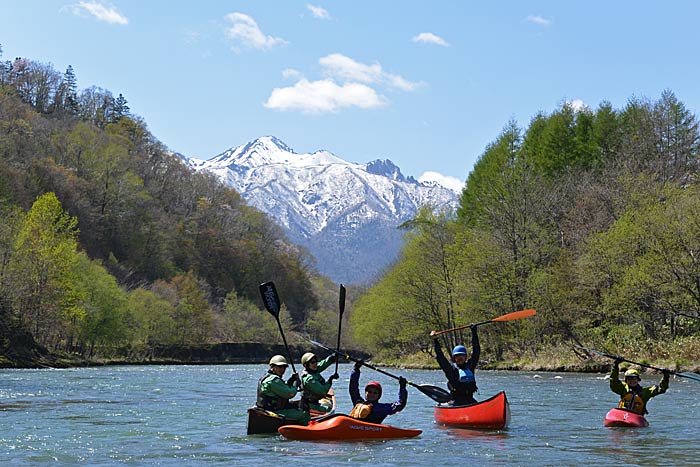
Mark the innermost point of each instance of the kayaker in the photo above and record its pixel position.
(274, 394)
(370, 409)
(633, 396)
(315, 386)
(460, 371)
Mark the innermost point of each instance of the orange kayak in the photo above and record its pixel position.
(624, 418)
(342, 427)
(491, 414)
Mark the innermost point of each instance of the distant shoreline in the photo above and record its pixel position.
(251, 353)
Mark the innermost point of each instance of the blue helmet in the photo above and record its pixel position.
(459, 350)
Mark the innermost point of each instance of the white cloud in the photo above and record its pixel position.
(99, 11)
(538, 20)
(318, 12)
(577, 104)
(430, 38)
(452, 183)
(290, 73)
(323, 96)
(346, 69)
(244, 31)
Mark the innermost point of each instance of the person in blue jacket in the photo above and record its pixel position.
(370, 409)
(461, 380)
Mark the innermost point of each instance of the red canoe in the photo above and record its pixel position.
(342, 427)
(626, 418)
(491, 414)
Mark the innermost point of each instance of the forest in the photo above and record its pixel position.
(110, 245)
(109, 242)
(591, 217)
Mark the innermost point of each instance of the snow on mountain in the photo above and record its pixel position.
(344, 213)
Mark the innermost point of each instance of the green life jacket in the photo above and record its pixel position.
(271, 403)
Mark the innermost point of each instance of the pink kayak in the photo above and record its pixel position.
(625, 418)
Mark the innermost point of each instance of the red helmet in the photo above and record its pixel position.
(376, 385)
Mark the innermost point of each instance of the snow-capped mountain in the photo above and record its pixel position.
(345, 214)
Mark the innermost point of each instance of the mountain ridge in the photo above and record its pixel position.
(342, 212)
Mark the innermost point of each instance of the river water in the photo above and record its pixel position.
(196, 415)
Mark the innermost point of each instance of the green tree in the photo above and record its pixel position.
(243, 321)
(121, 109)
(151, 320)
(193, 317)
(42, 269)
(103, 304)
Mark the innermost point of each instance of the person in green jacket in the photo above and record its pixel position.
(274, 393)
(315, 386)
(633, 396)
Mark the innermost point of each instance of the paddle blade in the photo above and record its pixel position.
(516, 315)
(434, 392)
(693, 376)
(270, 299)
(341, 300)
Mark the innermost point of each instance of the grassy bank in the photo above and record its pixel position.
(678, 356)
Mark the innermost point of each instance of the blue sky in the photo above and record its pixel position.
(427, 84)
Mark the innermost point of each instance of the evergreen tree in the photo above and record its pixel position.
(120, 109)
(71, 97)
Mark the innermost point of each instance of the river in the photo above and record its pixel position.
(196, 415)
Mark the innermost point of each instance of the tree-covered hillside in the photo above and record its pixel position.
(592, 217)
(108, 240)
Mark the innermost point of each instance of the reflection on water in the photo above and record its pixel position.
(197, 415)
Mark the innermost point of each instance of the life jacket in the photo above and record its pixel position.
(361, 410)
(307, 395)
(634, 402)
(271, 403)
(465, 385)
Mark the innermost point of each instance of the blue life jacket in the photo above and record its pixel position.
(466, 375)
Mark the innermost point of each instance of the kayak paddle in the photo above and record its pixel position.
(434, 392)
(507, 317)
(692, 376)
(268, 292)
(341, 310)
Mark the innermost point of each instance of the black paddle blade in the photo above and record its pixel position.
(341, 300)
(434, 392)
(268, 292)
(693, 376)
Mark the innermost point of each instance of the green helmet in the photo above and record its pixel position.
(278, 360)
(632, 374)
(306, 357)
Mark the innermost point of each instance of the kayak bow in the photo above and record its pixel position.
(342, 427)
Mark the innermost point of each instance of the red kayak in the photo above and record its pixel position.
(342, 427)
(626, 418)
(491, 414)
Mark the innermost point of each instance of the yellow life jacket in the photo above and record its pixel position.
(361, 410)
(632, 402)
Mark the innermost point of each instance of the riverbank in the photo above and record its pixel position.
(22, 352)
(564, 359)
